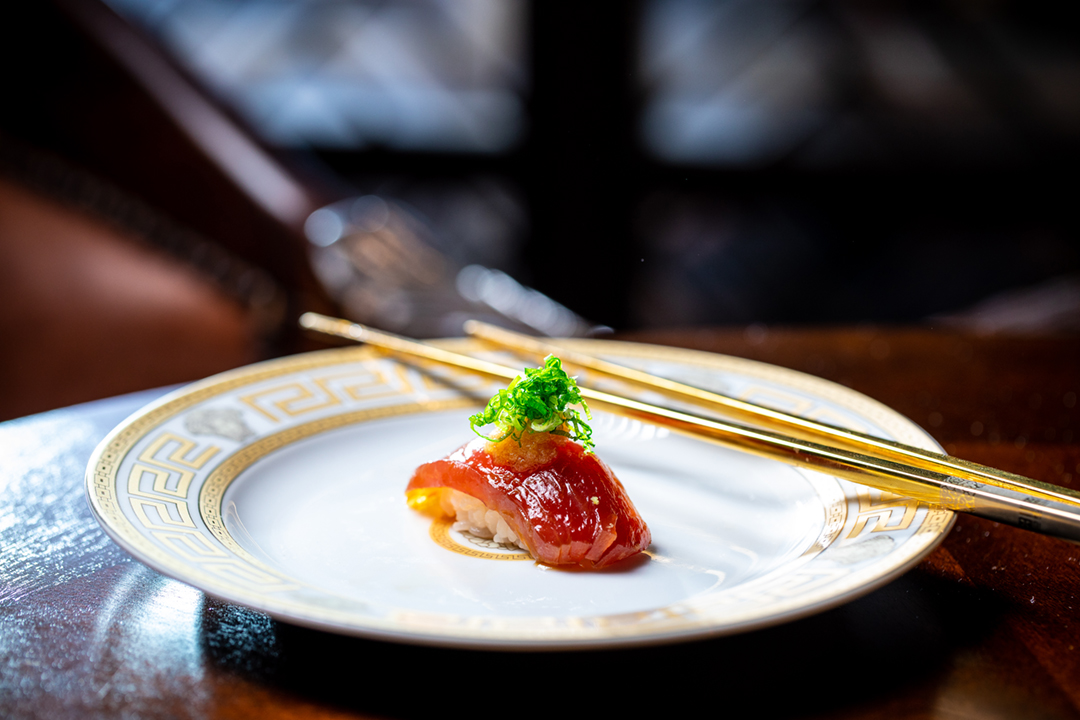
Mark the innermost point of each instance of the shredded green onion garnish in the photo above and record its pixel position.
(537, 401)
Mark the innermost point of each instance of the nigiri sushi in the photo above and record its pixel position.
(534, 484)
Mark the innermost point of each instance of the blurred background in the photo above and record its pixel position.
(180, 178)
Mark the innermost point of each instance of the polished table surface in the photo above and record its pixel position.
(987, 626)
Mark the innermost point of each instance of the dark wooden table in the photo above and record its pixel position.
(987, 626)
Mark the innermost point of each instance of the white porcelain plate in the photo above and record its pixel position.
(280, 486)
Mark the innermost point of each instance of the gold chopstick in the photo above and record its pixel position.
(779, 421)
(1008, 505)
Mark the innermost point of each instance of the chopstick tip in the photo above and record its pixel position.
(317, 322)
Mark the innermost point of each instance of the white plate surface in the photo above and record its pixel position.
(281, 486)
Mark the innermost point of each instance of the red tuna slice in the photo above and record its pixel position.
(565, 505)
